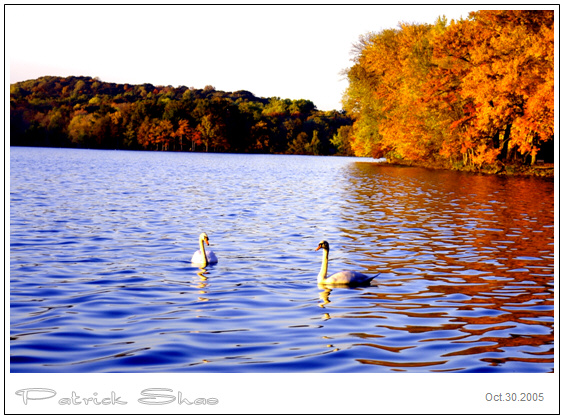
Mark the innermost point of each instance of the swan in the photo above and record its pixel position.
(351, 278)
(202, 256)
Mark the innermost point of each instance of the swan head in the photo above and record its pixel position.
(204, 238)
(323, 245)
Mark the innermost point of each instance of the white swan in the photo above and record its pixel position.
(351, 278)
(201, 256)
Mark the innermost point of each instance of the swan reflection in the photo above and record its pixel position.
(326, 291)
(203, 279)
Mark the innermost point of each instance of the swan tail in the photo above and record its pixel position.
(374, 276)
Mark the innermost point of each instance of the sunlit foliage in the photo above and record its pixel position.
(476, 92)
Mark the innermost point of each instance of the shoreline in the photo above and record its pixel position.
(541, 170)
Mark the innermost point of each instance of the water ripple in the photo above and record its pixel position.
(101, 280)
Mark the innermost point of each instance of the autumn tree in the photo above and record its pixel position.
(360, 100)
(501, 64)
(146, 133)
(300, 145)
(517, 72)
(182, 132)
(260, 136)
(163, 134)
(80, 127)
(212, 131)
(477, 91)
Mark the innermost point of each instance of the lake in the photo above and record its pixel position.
(101, 279)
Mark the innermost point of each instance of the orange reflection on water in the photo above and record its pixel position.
(466, 260)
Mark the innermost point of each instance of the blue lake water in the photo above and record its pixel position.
(101, 279)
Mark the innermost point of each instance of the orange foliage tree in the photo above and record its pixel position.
(476, 92)
(502, 63)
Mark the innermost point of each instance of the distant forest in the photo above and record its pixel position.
(89, 113)
(474, 94)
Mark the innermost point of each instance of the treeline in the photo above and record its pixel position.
(89, 113)
(476, 93)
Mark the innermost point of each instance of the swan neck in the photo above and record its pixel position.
(324, 264)
(203, 251)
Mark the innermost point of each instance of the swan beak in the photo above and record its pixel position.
(207, 242)
(318, 247)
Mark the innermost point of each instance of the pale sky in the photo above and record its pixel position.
(294, 52)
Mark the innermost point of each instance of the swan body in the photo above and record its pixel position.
(351, 278)
(202, 256)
